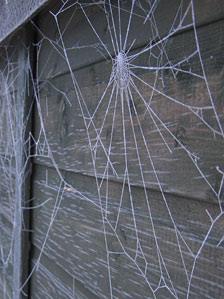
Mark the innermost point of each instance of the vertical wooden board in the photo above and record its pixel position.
(13, 127)
(5, 288)
(7, 162)
(6, 272)
(9, 63)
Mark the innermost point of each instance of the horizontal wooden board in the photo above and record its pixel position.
(84, 47)
(51, 281)
(69, 139)
(173, 225)
(76, 239)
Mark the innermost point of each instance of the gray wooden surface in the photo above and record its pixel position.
(68, 136)
(74, 260)
(14, 102)
(13, 14)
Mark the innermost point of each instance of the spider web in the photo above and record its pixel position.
(139, 132)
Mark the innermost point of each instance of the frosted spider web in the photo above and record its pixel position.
(135, 140)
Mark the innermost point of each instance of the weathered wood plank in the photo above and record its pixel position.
(51, 281)
(76, 240)
(67, 134)
(88, 49)
(14, 13)
(6, 273)
(5, 287)
(14, 105)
